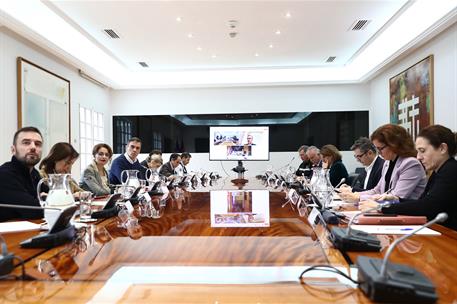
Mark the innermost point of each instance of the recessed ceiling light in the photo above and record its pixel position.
(288, 15)
(190, 35)
(213, 56)
(256, 54)
(270, 46)
(199, 48)
(278, 32)
(178, 19)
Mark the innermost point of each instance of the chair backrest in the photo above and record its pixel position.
(359, 170)
(350, 180)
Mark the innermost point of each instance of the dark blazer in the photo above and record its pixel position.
(167, 170)
(373, 179)
(18, 186)
(304, 169)
(337, 172)
(440, 195)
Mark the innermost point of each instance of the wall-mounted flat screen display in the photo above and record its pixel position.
(239, 143)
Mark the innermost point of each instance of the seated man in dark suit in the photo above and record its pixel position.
(168, 169)
(305, 166)
(365, 153)
(19, 178)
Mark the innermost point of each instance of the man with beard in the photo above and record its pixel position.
(19, 178)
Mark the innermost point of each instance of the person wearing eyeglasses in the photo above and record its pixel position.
(365, 153)
(95, 176)
(436, 147)
(402, 174)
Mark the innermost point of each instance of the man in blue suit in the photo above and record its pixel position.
(127, 161)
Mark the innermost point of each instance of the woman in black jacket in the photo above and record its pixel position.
(436, 147)
(332, 160)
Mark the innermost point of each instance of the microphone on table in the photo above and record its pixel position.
(383, 282)
(59, 233)
(340, 183)
(328, 216)
(286, 165)
(348, 239)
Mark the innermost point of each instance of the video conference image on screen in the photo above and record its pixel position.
(239, 143)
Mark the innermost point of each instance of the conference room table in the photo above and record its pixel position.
(182, 258)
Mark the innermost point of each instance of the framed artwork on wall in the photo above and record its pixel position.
(43, 101)
(411, 97)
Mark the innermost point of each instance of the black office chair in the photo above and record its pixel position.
(350, 180)
(359, 170)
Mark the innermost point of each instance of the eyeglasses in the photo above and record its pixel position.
(101, 154)
(381, 148)
(360, 155)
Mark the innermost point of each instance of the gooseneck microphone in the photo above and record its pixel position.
(377, 208)
(348, 239)
(340, 183)
(395, 283)
(441, 217)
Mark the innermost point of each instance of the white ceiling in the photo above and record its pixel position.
(150, 32)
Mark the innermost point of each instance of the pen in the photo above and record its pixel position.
(388, 191)
(396, 229)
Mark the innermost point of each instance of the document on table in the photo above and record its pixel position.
(394, 229)
(18, 226)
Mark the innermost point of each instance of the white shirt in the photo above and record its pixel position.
(368, 170)
(128, 158)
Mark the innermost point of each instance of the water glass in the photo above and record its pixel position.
(134, 229)
(123, 217)
(145, 208)
(85, 204)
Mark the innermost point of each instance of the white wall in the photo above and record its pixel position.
(82, 91)
(241, 100)
(444, 49)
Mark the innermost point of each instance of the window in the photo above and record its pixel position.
(157, 141)
(122, 134)
(91, 132)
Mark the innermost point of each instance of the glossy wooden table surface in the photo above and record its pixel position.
(180, 258)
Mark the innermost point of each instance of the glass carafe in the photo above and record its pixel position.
(322, 186)
(129, 178)
(59, 194)
(152, 175)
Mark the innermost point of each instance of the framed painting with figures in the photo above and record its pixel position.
(411, 97)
